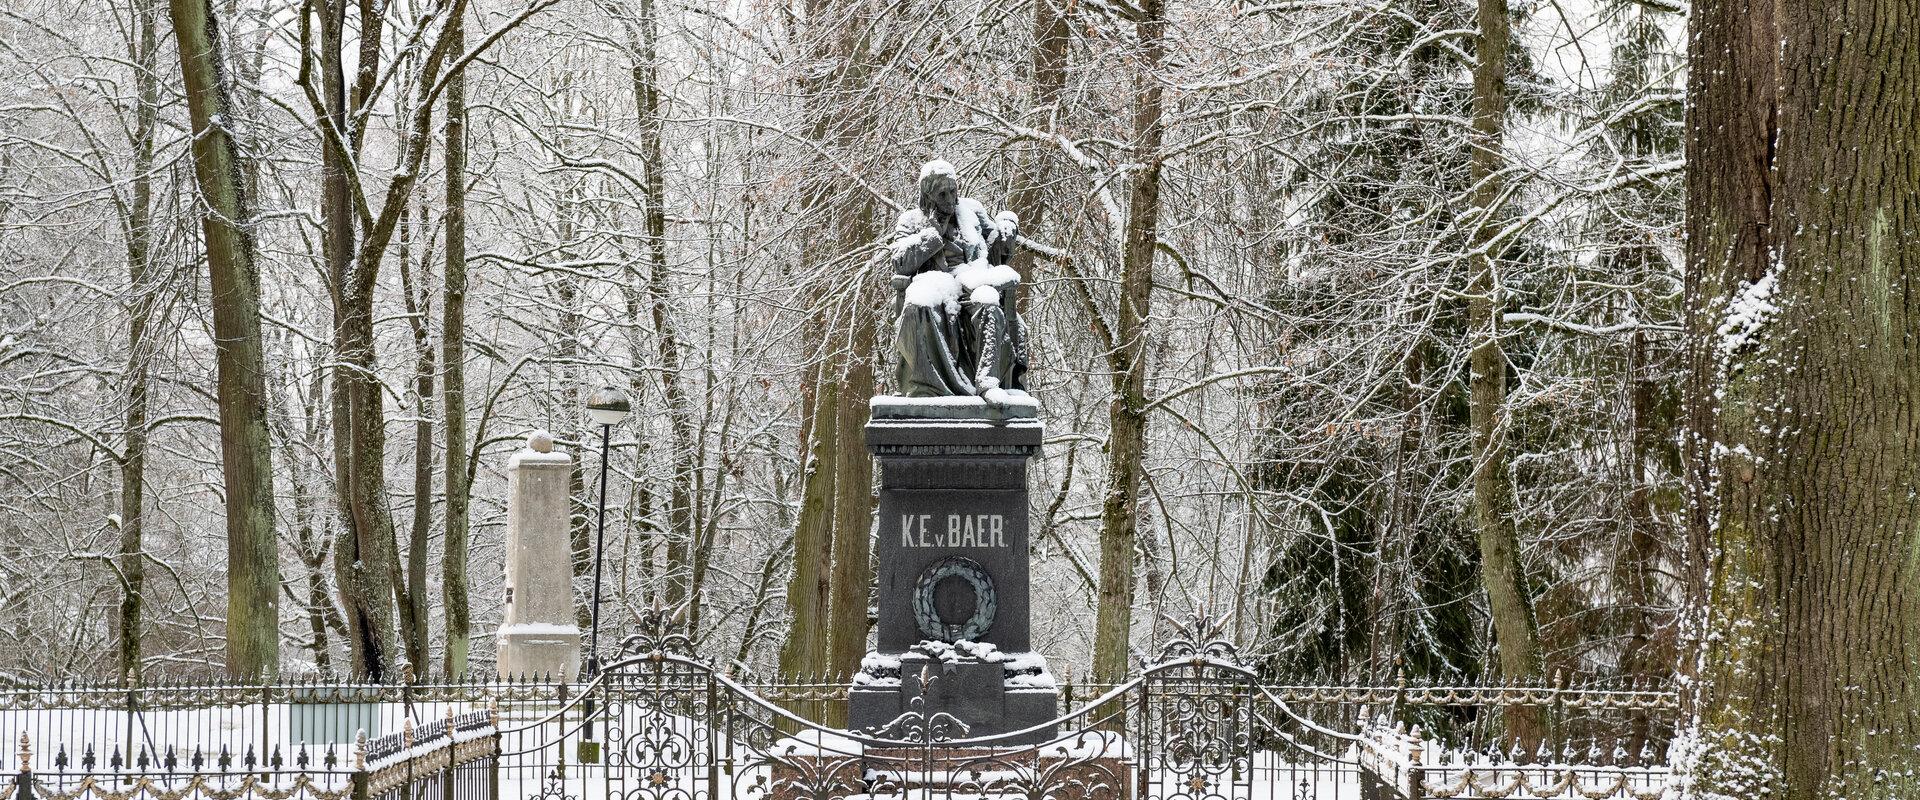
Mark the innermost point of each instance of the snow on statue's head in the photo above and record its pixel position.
(939, 189)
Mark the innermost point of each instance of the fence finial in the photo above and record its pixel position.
(493, 711)
(26, 753)
(360, 751)
(406, 732)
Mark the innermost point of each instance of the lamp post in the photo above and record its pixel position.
(607, 407)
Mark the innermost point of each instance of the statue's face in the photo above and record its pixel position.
(943, 196)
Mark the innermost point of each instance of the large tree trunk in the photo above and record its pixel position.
(371, 575)
(1515, 633)
(363, 551)
(453, 357)
(852, 583)
(1127, 412)
(804, 653)
(1804, 449)
(253, 566)
(361, 572)
(1048, 67)
(140, 277)
(837, 395)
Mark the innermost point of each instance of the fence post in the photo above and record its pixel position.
(453, 760)
(266, 719)
(1142, 762)
(361, 784)
(1416, 772)
(23, 785)
(560, 747)
(493, 761)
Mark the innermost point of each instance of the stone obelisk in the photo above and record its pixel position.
(539, 634)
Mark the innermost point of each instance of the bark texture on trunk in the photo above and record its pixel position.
(804, 654)
(852, 583)
(253, 565)
(453, 376)
(1516, 634)
(830, 544)
(1803, 402)
(1127, 362)
(1048, 67)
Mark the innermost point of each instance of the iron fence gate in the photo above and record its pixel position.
(660, 724)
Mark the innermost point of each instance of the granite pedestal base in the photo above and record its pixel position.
(975, 693)
(1065, 772)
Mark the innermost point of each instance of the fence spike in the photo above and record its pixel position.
(60, 758)
(171, 760)
(274, 760)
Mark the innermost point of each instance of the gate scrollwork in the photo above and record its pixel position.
(1193, 729)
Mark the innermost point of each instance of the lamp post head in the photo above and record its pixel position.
(609, 406)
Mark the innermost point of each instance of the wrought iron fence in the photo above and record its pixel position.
(660, 724)
(455, 757)
(1397, 763)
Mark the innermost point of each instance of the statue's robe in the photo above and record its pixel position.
(957, 334)
(993, 348)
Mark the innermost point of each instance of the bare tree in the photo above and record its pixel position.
(253, 567)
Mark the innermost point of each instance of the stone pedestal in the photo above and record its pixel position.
(538, 635)
(952, 563)
(1096, 766)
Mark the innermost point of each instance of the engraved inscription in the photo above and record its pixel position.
(956, 530)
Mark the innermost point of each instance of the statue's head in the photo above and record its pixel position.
(939, 189)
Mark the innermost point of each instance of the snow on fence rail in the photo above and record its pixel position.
(456, 756)
(1401, 764)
